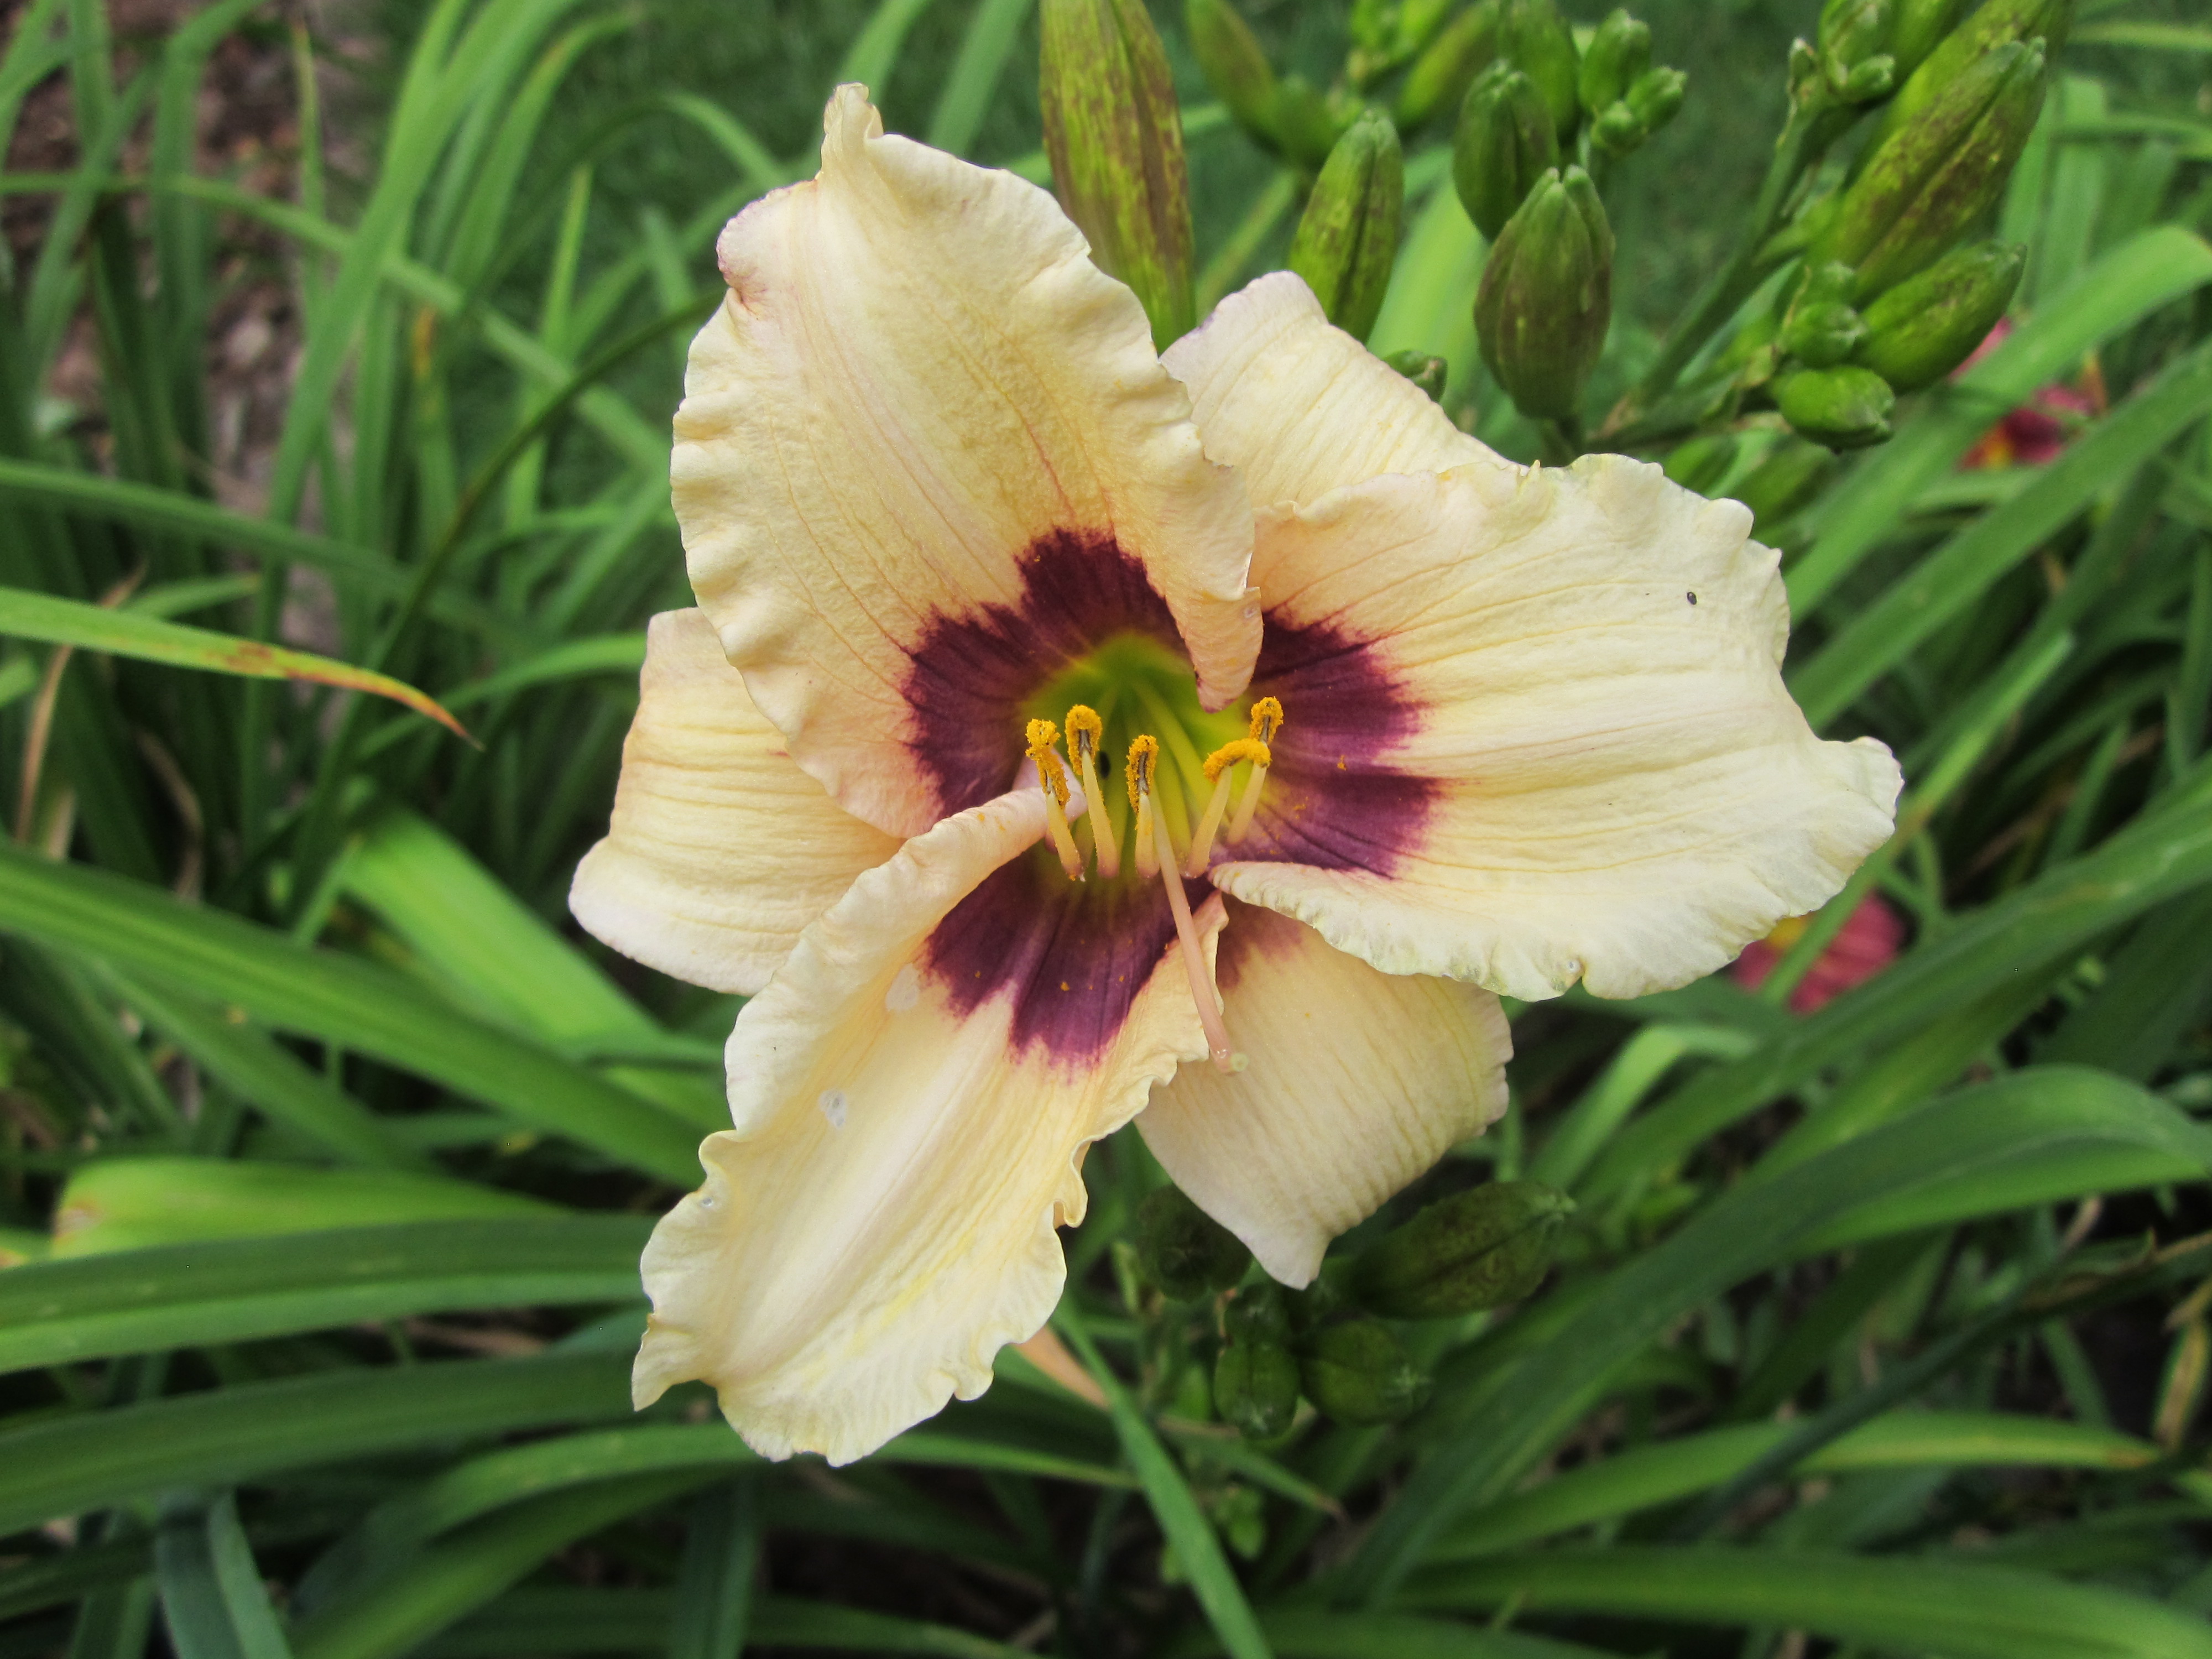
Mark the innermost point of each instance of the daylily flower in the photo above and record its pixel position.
(1454, 728)
(1867, 943)
(2038, 432)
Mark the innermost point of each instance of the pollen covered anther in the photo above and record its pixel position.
(1052, 778)
(1143, 757)
(1267, 720)
(1219, 768)
(1084, 733)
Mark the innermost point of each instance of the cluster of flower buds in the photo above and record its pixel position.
(1624, 97)
(1893, 294)
(1285, 113)
(1333, 1342)
(1545, 298)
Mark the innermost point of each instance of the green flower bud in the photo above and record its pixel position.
(1418, 23)
(1258, 1313)
(1854, 48)
(1229, 56)
(1535, 40)
(1654, 95)
(1940, 172)
(1824, 334)
(1845, 408)
(1919, 25)
(1357, 1372)
(1616, 131)
(1185, 1251)
(1480, 1248)
(1306, 124)
(1114, 134)
(1619, 53)
(1785, 481)
(1928, 325)
(1868, 80)
(1255, 1386)
(1348, 236)
(1547, 297)
(1441, 74)
(1999, 23)
(1701, 463)
(1426, 372)
(1505, 143)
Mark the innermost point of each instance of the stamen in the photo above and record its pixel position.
(1217, 768)
(1225, 1058)
(1052, 778)
(1143, 757)
(1267, 720)
(1085, 730)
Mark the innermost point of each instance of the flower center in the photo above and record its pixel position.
(1135, 702)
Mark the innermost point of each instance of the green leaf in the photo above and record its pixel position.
(359, 1005)
(714, 1587)
(1898, 1603)
(212, 1591)
(131, 634)
(1947, 1158)
(96, 1460)
(984, 49)
(567, 1619)
(143, 1301)
(875, 50)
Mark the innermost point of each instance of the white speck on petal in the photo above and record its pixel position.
(833, 1104)
(905, 990)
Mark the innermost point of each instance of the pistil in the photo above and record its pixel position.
(1085, 730)
(1219, 769)
(1267, 720)
(1143, 757)
(1052, 778)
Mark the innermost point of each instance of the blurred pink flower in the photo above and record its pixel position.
(1866, 944)
(2038, 429)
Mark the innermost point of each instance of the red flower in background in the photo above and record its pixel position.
(1866, 944)
(2038, 429)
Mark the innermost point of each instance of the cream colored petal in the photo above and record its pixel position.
(881, 1221)
(721, 849)
(1580, 760)
(1299, 407)
(923, 418)
(1358, 1082)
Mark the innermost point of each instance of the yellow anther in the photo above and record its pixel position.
(1084, 733)
(1266, 721)
(1243, 749)
(1052, 771)
(1217, 765)
(1143, 757)
(1052, 778)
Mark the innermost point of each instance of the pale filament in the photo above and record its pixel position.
(1225, 1057)
(1144, 755)
(1219, 765)
(1052, 779)
(1267, 720)
(1084, 730)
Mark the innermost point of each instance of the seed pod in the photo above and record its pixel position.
(1229, 56)
(1441, 74)
(1998, 23)
(1480, 1248)
(1618, 53)
(1185, 1251)
(1939, 173)
(1114, 136)
(1357, 1372)
(1541, 313)
(1505, 144)
(1844, 408)
(1536, 41)
(1928, 325)
(1348, 237)
(1918, 25)
(1255, 1386)
(1428, 373)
